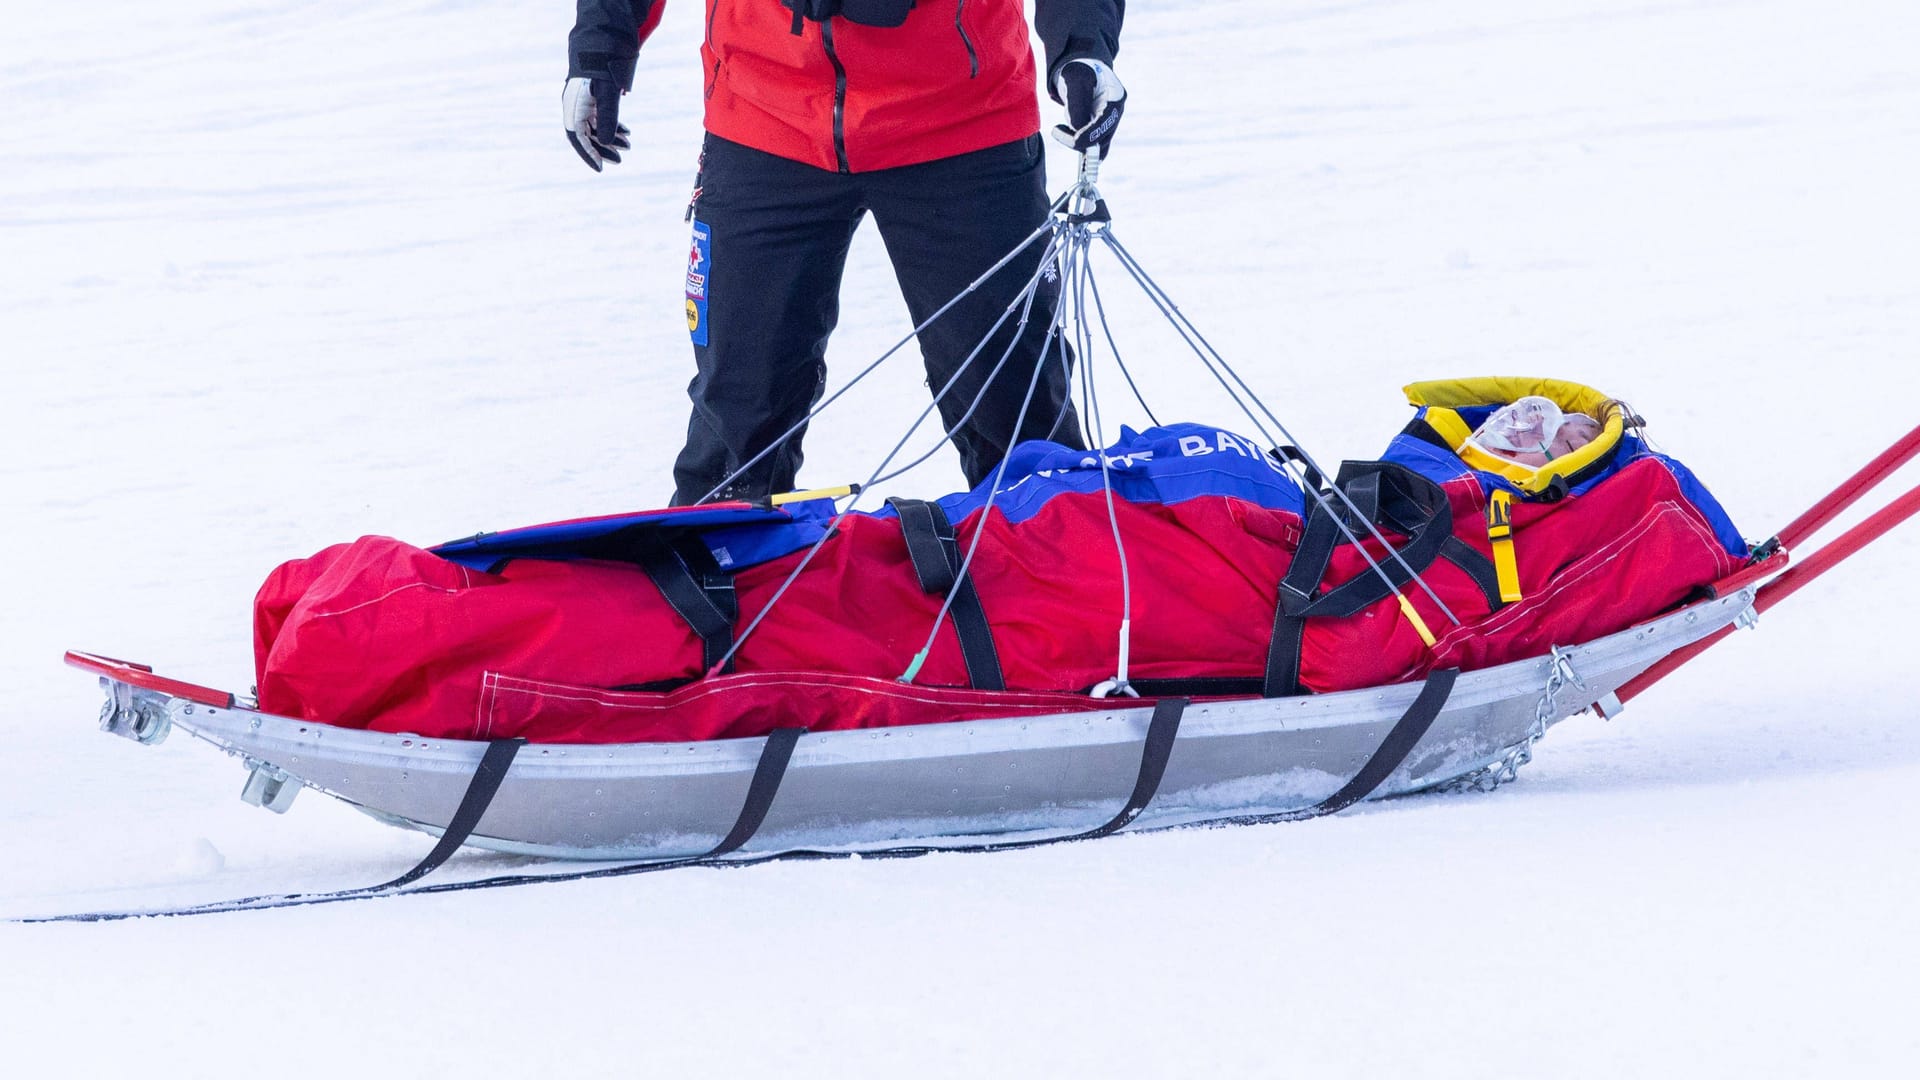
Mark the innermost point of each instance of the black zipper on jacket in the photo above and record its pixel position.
(713, 9)
(973, 58)
(839, 97)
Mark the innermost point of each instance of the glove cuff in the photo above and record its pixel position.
(599, 65)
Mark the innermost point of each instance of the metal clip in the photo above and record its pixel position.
(1562, 674)
(269, 787)
(141, 719)
(1084, 205)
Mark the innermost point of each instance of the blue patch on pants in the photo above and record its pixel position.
(699, 258)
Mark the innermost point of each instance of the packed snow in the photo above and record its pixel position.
(279, 273)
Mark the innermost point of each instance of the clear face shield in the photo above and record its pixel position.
(1534, 431)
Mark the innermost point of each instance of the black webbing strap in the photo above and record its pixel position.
(1400, 741)
(1312, 476)
(1283, 655)
(695, 586)
(1409, 514)
(767, 774)
(492, 769)
(1476, 566)
(1385, 494)
(1154, 753)
(935, 552)
(1195, 686)
(1392, 751)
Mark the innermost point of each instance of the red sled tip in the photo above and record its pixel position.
(142, 676)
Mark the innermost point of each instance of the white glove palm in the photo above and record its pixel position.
(1094, 100)
(590, 111)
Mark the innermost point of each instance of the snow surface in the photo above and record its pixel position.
(277, 273)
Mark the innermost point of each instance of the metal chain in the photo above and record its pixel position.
(1560, 675)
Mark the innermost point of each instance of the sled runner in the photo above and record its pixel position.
(1052, 773)
(1427, 617)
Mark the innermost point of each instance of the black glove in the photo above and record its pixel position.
(1094, 100)
(590, 111)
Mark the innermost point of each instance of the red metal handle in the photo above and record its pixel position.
(1878, 524)
(1797, 577)
(142, 676)
(1849, 493)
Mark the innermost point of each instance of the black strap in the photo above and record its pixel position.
(693, 583)
(1383, 494)
(1392, 751)
(1284, 454)
(935, 552)
(492, 769)
(1155, 751)
(1283, 654)
(1387, 495)
(1195, 686)
(767, 774)
(1476, 566)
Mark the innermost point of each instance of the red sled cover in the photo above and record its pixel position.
(551, 634)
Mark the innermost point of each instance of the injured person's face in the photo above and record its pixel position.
(1533, 431)
(1576, 431)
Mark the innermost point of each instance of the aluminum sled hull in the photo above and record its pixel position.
(964, 779)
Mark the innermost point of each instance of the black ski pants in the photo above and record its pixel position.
(770, 242)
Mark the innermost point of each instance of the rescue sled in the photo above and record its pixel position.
(1052, 774)
(1010, 765)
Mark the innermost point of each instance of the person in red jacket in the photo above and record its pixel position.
(922, 112)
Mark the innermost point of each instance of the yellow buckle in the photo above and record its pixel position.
(1500, 533)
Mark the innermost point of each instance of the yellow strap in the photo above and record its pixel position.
(1500, 532)
(815, 493)
(1413, 617)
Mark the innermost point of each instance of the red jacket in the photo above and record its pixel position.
(955, 76)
